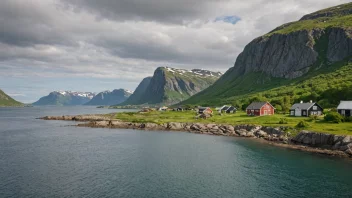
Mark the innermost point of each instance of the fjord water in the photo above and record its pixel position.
(50, 159)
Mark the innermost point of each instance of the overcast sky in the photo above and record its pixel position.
(97, 45)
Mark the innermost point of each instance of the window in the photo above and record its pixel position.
(315, 108)
(343, 112)
(304, 112)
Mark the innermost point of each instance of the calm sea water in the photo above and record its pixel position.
(50, 159)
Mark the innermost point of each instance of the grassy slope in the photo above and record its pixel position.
(314, 86)
(336, 20)
(236, 119)
(6, 100)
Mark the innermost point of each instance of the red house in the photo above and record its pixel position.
(206, 110)
(260, 109)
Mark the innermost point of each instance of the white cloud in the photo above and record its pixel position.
(127, 40)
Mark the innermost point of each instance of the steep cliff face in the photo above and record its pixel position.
(291, 53)
(170, 85)
(114, 97)
(7, 101)
(136, 97)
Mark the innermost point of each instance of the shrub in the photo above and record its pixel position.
(314, 117)
(333, 117)
(302, 124)
(348, 119)
(283, 121)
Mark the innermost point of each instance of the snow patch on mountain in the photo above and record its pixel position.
(89, 95)
(198, 72)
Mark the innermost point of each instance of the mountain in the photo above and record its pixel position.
(138, 93)
(7, 101)
(170, 86)
(301, 60)
(63, 98)
(114, 97)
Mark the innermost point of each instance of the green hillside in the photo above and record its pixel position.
(310, 59)
(327, 86)
(7, 101)
(338, 16)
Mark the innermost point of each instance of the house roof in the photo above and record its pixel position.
(257, 105)
(302, 106)
(345, 105)
(225, 108)
(231, 108)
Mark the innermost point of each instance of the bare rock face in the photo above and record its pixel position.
(340, 44)
(279, 55)
(293, 55)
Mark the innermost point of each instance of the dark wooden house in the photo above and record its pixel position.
(260, 109)
(306, 109)
(345, 108)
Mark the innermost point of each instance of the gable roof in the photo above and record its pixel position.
(345, 105)
(303, 106)
(258, 105)
(225, 108)
(232, 108)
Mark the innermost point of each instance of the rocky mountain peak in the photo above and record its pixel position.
(198, 72)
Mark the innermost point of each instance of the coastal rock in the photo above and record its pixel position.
(322, 140)
(102, 123)
(118, 124)
(346, 140)
(175, 126)
(349, 152)
(198, 127)
(242, 132)
(261, 133)
(149, 126)
(272, 131)
(338, 138)
(250, 134)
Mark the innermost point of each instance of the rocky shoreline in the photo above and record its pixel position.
(335, 145)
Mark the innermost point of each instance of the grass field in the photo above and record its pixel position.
(318, 125)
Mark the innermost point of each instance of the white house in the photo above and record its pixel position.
(345, 108)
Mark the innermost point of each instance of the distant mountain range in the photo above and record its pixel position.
(63, 98)
(170, 86)
(114, 97)
(7, 101)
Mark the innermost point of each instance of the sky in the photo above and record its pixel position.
(90, 45)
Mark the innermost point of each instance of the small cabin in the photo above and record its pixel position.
(163, 108)
(260, 109)
(221, 109)
(306, 109)
(205, 110)
(231, 109)
(345, 108)
(179, 109)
